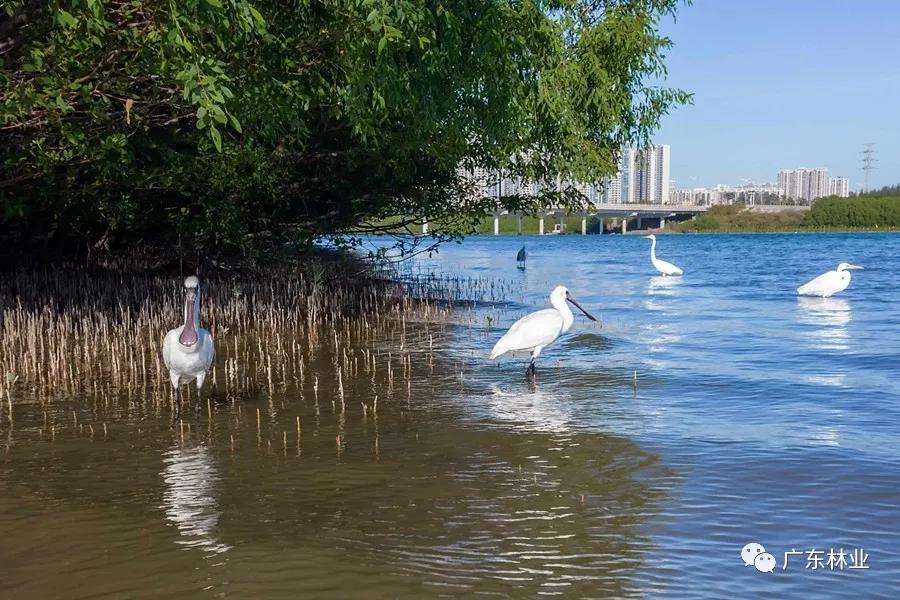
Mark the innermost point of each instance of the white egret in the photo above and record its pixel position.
(537, 330)
(188, 350)
(664, 267)
(830, 283)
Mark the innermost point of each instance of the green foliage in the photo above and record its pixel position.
(864, 212)
(888, 190)
(221, 125)
(825, 213)
(738, 218)
(703, 223)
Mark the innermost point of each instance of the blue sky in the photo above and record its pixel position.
(782, 84)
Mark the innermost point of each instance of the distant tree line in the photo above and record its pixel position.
(825, 213)
(888, 190)
(220, 126)
(866, 212)
(738, 218)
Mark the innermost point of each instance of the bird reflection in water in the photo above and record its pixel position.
(830, 318)
(535, 411)
(662, 284)
(659, 288)
(189, 498)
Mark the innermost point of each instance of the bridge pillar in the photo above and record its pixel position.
(640, 223)
(541, 225)
(562, 221)
(496, 223)
(424, 225)
(583, 224)
(624, 225)
(599, 218)
(519, 223)
(662, 222)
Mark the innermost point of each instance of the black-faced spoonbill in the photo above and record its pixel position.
(664, 267)
(188, 350)
(830, 283)
(537, 330)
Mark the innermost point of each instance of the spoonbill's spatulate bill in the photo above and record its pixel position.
(536, 331)
(664, 267)
(520, 257)
(830, 283)
(188, 350)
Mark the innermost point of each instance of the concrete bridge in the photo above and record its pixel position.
(654, 214)
(640, 212)
(621, 212)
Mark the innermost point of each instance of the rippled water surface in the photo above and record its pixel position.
(707, 412)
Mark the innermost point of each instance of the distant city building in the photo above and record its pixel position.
(839, 186)
(789, 183)
(804, 184)
(619, 189)
(652, 175)
(612, 190)
(750, 194)
(642, 177)
(696, 197)
(818, 184)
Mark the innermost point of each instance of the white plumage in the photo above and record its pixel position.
(830, 283)
(537, 330)
(664, 267)
(188, 351)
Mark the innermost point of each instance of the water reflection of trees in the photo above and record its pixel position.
(505, 510)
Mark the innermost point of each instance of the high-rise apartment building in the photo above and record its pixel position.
(663, 174)
(839, 186)
(819, 182)
(612, 190)
(643, 177)
(653, 174)
(804, 184)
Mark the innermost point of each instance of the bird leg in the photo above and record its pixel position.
(200, 379)
(177, 414)
(530, 372)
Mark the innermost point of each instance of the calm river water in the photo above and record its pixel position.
(755, 416)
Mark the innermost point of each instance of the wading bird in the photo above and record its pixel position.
(520, 258)
(664, 267)
(188, 350)
(536, 331)
(830, 283)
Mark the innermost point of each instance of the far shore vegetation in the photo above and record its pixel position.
(860, 213)
(826, 214)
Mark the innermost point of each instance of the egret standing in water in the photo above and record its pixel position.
(664, 267)
(830, 283)
(536, 331)
(188, 350)
(520, 258)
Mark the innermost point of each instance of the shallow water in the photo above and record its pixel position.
(755, 417)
